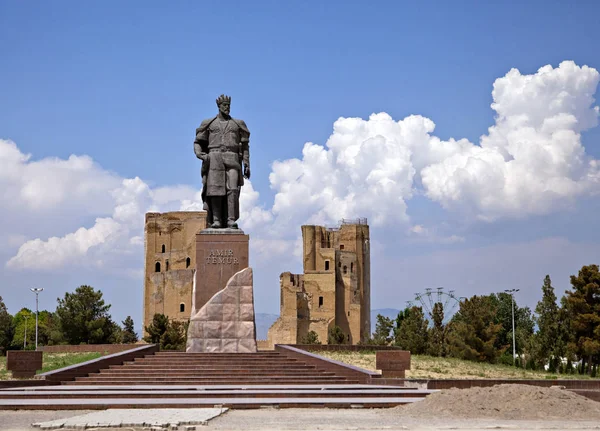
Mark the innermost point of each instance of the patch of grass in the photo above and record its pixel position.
(52, 361)
(4, 374)
(429, 367)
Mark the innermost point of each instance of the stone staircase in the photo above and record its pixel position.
(179, 368)
(234, 380)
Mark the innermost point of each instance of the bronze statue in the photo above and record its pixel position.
(222, 143)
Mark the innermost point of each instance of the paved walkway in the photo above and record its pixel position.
(314, 419)
(135, 418)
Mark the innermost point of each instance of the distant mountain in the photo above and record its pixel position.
(263, 323)
(264, 320)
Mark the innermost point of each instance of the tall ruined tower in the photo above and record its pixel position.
(170, 241)
(335, 288)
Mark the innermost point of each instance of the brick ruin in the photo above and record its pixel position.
(170, 241)
(335, 288)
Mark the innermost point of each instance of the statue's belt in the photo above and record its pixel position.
(222, 150)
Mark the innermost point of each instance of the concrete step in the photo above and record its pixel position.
(206, 363)
(235, 381)
(141, 379)
(234, 403)
(245, 393)
(208, 373)
(216, 355)
(151, 369)
(283, 387)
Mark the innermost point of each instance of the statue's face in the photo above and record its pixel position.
(224, 108)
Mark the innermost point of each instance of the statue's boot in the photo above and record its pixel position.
(216, 212)
(232, 203)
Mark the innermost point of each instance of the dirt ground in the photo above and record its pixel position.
(522, 402)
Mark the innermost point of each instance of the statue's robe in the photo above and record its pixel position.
(226, 144)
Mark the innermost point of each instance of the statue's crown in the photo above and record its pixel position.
(223, 98)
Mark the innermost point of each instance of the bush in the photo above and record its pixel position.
(311, 338)
(174, 337)
(169, 335)
(336, 336)
(159, 325)
(506, 359)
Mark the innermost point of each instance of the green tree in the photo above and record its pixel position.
(473, 330)
(174, 337)
(26, 318)
(336, 336)
(403, 314)
(23, 330)
(84, 317)
(524, 324)
(549, 339)
(129, 334)
(158, 326)
(436, 345)
(383, 329)
(6, 328)
(412, 333)
(168, 334)
(311, 338)
(582, 306)
(53, 330)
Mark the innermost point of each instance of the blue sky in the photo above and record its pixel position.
(127, 83)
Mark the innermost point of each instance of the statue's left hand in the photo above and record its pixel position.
(247, 172)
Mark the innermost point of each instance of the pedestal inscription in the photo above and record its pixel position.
(220, 253)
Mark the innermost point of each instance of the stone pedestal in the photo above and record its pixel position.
(220, 253)
(225, 324)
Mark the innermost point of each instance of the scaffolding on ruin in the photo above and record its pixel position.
(359, 220)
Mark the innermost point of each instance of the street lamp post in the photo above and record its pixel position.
(512, 296)
(37, 291)
(25, 335)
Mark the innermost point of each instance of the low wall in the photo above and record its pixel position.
(23, 363)
(340, 368)
(95, 365)
(105, 349)
(342, 347)
(393, 364)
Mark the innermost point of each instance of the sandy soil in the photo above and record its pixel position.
(507, 401)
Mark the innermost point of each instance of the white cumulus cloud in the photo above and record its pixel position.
(109, 239)
(531, 162)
